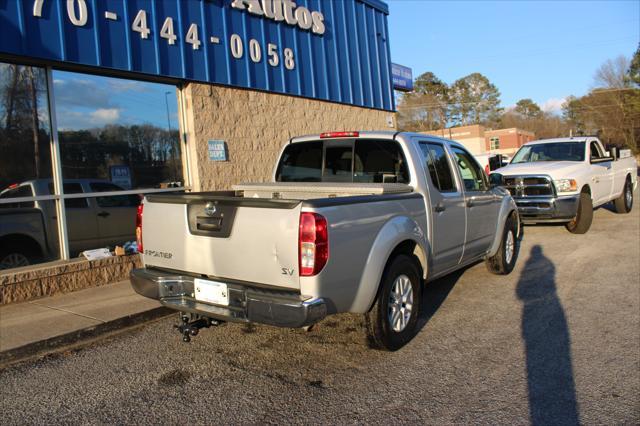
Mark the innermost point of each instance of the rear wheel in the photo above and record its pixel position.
(624, 203)
(504, 260)
(391, 323)
(13, 259)
(582, 222)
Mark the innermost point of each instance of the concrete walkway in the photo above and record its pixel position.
(38, 327)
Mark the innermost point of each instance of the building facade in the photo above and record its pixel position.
(480, 140)
(102, 102)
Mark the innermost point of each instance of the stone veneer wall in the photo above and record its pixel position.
(36, 281)
(255, 126)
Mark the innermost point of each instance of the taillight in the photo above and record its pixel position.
(486, 169)
(139, 227)
(314, 244)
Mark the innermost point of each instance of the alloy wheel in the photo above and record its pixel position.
(400, 303)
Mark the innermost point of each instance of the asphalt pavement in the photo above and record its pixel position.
(555, 342)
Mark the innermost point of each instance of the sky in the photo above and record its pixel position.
(543, 50)
(85, 101)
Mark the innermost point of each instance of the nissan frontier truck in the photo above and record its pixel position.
(351, 222)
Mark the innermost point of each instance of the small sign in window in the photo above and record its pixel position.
(217, 150)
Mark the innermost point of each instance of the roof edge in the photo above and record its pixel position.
(377, 4)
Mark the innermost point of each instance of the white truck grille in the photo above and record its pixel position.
(529, 186)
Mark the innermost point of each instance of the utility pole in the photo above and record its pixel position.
(173, 148)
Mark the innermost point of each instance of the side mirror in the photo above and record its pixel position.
(495, 179)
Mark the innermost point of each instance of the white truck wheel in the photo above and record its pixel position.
(624, 203)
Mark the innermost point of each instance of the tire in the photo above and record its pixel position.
(624, 203)
(582, 222)
(14, 258)
(504, 260)
(391, 325)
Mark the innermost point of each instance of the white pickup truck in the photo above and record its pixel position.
(352, 222)
(563, 180)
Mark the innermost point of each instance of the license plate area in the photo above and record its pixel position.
(211, 291)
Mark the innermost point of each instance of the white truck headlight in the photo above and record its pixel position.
(566, 185)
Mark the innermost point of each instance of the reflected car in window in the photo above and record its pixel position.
(28, 230)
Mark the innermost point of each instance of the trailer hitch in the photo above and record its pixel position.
(190, 327)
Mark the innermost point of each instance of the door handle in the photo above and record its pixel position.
(439, 207)
(104, 214)
(471, 202)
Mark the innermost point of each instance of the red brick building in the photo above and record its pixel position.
(480, 140)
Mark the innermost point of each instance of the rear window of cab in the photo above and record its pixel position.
(359, 160)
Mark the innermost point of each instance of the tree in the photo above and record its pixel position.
(528, 109)
(426, 108)
(634, 69)
(613, 74)
(474, 100)
(612, 109)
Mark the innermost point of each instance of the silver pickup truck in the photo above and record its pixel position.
(352, 222)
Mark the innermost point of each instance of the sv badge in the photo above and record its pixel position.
(286, 271)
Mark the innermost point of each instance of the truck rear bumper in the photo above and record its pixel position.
(547, 209)
(246, 303)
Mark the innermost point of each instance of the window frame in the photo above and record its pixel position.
(57, 179)
(494, 143)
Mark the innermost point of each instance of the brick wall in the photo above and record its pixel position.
(255, 126)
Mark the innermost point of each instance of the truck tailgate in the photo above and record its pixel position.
(225, 238)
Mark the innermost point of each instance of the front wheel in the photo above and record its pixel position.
(624, 203)
(582, 222)
(391, 323)
(504, 260)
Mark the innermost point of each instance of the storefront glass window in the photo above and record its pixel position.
(28, 229)
(115, 135)
(119, 131)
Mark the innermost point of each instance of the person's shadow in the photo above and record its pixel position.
(552, 393)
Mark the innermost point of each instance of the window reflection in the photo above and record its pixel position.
(28, 229)
(24, 125)
(118, 130)
(114, 135)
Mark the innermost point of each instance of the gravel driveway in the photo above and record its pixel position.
(557, 341)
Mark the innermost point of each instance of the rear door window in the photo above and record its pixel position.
(72, 188)
(438, 166)
(114, 200)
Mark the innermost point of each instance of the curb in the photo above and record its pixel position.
(79, 337)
